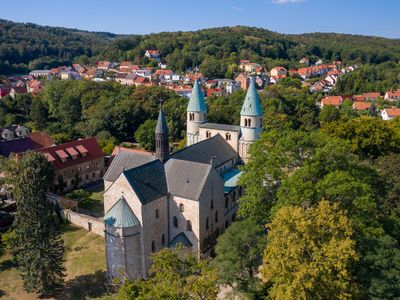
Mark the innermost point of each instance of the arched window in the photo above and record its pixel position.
(226, 202)
(245, 122)
(191, 117)
(212, 204)
(181, 207)
(207, 225)
(153, 246)
(163, 240)
(249, 122)
(175, 222)
(157, 213)
(216, 217)
(189, 226)
(228, 136)
(208, 134)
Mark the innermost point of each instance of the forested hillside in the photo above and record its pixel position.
(24, 46)
(216, 50)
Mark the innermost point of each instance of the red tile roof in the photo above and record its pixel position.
(332, 100)
(393, 93)
(358, 98)
(88, 146)
(372, 95)
(393, 112)
(361, 105)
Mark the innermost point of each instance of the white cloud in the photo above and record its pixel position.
(287, 1)
(237, 8)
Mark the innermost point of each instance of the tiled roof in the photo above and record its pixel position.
(121, 215)
(185, 178)
(93, 151)
(197, 102)
(126, 159)
(221, 126)
(148, 181)
(203, 151)
(393, 112)
(361, 105)
(251, 105)
(332, 100)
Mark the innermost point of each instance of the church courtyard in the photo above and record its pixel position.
(85, 269)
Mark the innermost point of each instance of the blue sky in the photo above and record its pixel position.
(368, 17)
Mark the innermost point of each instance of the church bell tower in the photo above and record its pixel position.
(161, 137)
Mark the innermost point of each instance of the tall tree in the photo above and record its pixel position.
(37, 246)
(174, 275)
(309, 254)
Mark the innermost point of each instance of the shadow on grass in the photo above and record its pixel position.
(86, 286)
(7, 264)
(66, 227)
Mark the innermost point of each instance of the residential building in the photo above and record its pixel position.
(392, 95)
(332, 100)
(390, 113)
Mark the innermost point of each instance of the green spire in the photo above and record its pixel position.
(251, 105)
(121, 215)
(197, 102)
(162, 127)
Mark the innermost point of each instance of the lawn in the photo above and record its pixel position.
(90, 200)
(85, 264)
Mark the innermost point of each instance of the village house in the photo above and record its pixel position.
(18, 139)
(18, 90)
(76, 164)
(39, 73)
(305, 61)
(361, 106)
(372, 96)
(126, 79)
(392, 95)
(248, 66)
(332, 101)
(5, 90)
(278, 72)
(152, 54)
(243, 81)
(390, 113)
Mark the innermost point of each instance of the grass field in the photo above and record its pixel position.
(85, 264)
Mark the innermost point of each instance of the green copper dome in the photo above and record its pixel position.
(197, 102)
(251, 105)
(121, 215)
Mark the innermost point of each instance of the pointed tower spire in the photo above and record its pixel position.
(161, 132)
(196, 114)
(251, 105)
(197, 102)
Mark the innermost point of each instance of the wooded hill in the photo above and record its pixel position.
(215, 50)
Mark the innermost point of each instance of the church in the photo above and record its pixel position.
(188, 197)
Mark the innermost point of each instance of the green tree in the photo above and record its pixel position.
(309, 254)
(145, 135)
(39, 114)
(329, 114)
(238, 256)
(174, 275)
(38, 246)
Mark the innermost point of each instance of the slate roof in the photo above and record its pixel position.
(185, 178)
(197, 102)
(220, 127)
(126, 160)
(202, 152)
(181, 238)
(251, 105)
(148, 181)
(121, 215)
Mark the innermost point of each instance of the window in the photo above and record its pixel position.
(226, 202)
(191, 116)
(245, 122)
(226, 224)
(87, 176)
(153, 246)
(163, 240)
(234, 196)
(228, 136)
(157, 213)
(212, 204)
(189, 226)
(208, 134)
(175, 222)
(216, 217)
(249, 122)
(207, 225)
(233, 217)
(93, 174)
(181, 207)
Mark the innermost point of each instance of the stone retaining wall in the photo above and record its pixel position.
(84, 221)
